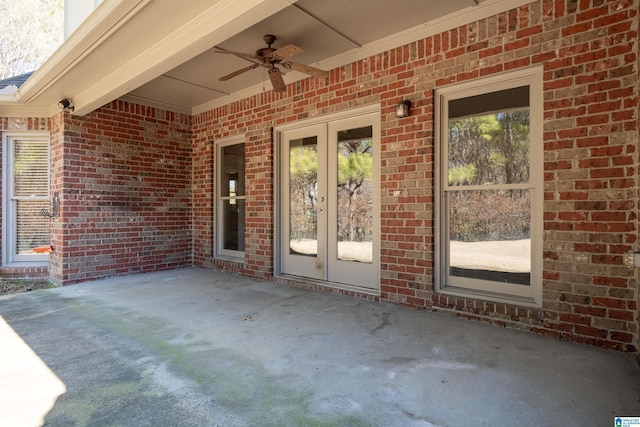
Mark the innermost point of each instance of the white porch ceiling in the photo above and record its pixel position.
(161, 52)
(324, 29)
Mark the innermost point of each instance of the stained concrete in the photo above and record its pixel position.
(195, 347)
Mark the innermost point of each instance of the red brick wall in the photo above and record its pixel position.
(637, 183)
(589, 53)
(21, 124)
(57, 171)
(124, 176)
(591, 139)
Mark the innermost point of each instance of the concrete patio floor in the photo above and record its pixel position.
(195, 347)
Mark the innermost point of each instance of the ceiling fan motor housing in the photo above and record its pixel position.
(269, 57)
(265, 52)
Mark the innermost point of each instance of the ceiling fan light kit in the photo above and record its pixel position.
(270, 58)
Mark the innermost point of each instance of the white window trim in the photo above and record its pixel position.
(220, 252)
(9, 259)
(526, 295)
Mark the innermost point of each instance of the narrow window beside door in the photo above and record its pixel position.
(26, 195)
(230, 212)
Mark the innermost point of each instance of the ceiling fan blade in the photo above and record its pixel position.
(307, 69)
(238, 72)
(276, 80)
(286, 51)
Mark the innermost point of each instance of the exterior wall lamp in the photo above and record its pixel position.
(403, 108)
(66, 105)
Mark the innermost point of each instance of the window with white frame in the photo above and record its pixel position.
(25, 196)
(230, 191)
(489, 184)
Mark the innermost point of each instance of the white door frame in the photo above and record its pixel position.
(330, 122)
(298, 265)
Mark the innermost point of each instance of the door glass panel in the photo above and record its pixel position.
(489, 232)
(303, 194)
(355, 195)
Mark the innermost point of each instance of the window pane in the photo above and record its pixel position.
(489, 149)
(508, 99)
(31, 168)
(303, 205)
(32, 229)
(233, 227)
(489, 234)
(232, 169)
(355, 195)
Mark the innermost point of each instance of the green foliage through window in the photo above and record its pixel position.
(489, 149)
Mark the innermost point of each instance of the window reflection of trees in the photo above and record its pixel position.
(491, 149)
(303, 187)
(355, 190)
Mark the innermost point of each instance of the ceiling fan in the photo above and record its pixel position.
(268, 57)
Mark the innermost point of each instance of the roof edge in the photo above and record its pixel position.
(104, 21)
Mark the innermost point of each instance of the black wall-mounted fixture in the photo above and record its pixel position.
(403, 108)
(66, 105)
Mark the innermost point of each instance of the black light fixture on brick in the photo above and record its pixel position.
(66, 105)
(403, 108)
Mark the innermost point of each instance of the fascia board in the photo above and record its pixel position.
(15, 109)
(104, 21)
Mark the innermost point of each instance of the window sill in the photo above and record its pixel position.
(228, 258)
(26, 264)
(489, 296)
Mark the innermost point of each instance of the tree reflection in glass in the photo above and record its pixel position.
(489, 211)
(303, 192)
(355, 195)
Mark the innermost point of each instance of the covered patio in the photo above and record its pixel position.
(200, 347)
(222, 134)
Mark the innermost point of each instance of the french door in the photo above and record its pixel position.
(328, 189)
